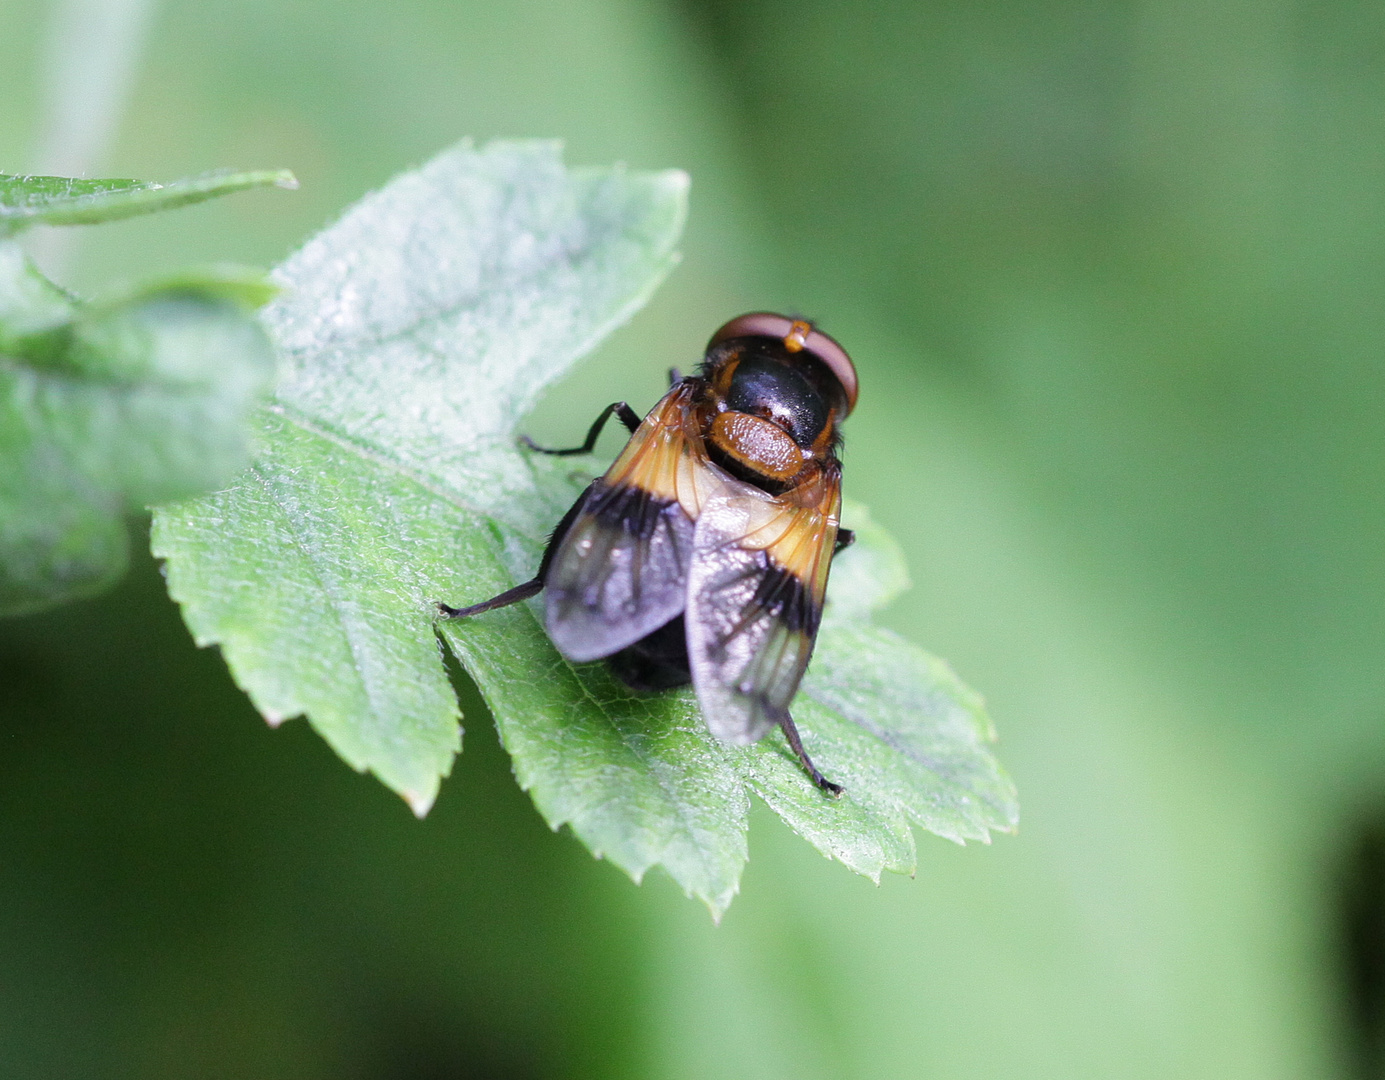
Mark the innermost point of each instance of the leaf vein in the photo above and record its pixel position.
(368, 453)
(335, 601)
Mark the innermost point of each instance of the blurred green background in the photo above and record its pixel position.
(1113, 275)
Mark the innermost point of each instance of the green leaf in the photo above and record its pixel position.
(416, 332)
(413, 332)
(108, 406)
(63, 200)
(904, 736)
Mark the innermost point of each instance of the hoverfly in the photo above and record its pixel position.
(702, 554)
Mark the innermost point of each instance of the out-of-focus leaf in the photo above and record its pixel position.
(417, 331)
(109, 406)
(870, 573)
(64, 200)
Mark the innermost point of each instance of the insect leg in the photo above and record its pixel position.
(674, 376)
(505, 599)
(845, 538)
(796, 745)
(534, 585)
(627, 416)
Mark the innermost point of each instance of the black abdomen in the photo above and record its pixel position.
(658, 661)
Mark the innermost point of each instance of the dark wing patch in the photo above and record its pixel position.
(619, 573)
(755, 589)
(620, 570)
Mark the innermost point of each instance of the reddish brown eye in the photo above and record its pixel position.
(791, 332)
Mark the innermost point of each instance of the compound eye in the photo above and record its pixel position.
(798, 336)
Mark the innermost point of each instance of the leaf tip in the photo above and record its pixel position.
(286, 180)
(678, 180)
(419, 802)
(718, 905)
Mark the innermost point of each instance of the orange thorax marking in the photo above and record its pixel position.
(758, 445)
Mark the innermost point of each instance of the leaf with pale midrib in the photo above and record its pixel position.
(416, 332)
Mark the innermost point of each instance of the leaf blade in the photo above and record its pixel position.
(64, 200)
(320, 636)
(395, 355)
(639, 780)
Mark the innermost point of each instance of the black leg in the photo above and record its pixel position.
(535, 585)
(505, 599)
(627, 416)
(796, 744)
(845, 538)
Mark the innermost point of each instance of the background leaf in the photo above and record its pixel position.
(64, 200)
(106, 407)
(416, 332)
(870, 573)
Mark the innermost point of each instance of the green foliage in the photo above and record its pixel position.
(63, 200)
(108, 406)
(416, 332)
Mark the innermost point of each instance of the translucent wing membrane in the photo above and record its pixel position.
(620, 572)
(755, 590)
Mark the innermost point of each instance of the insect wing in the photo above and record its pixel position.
(620, 570)
(755, 591)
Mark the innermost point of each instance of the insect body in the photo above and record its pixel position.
(702, 554)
